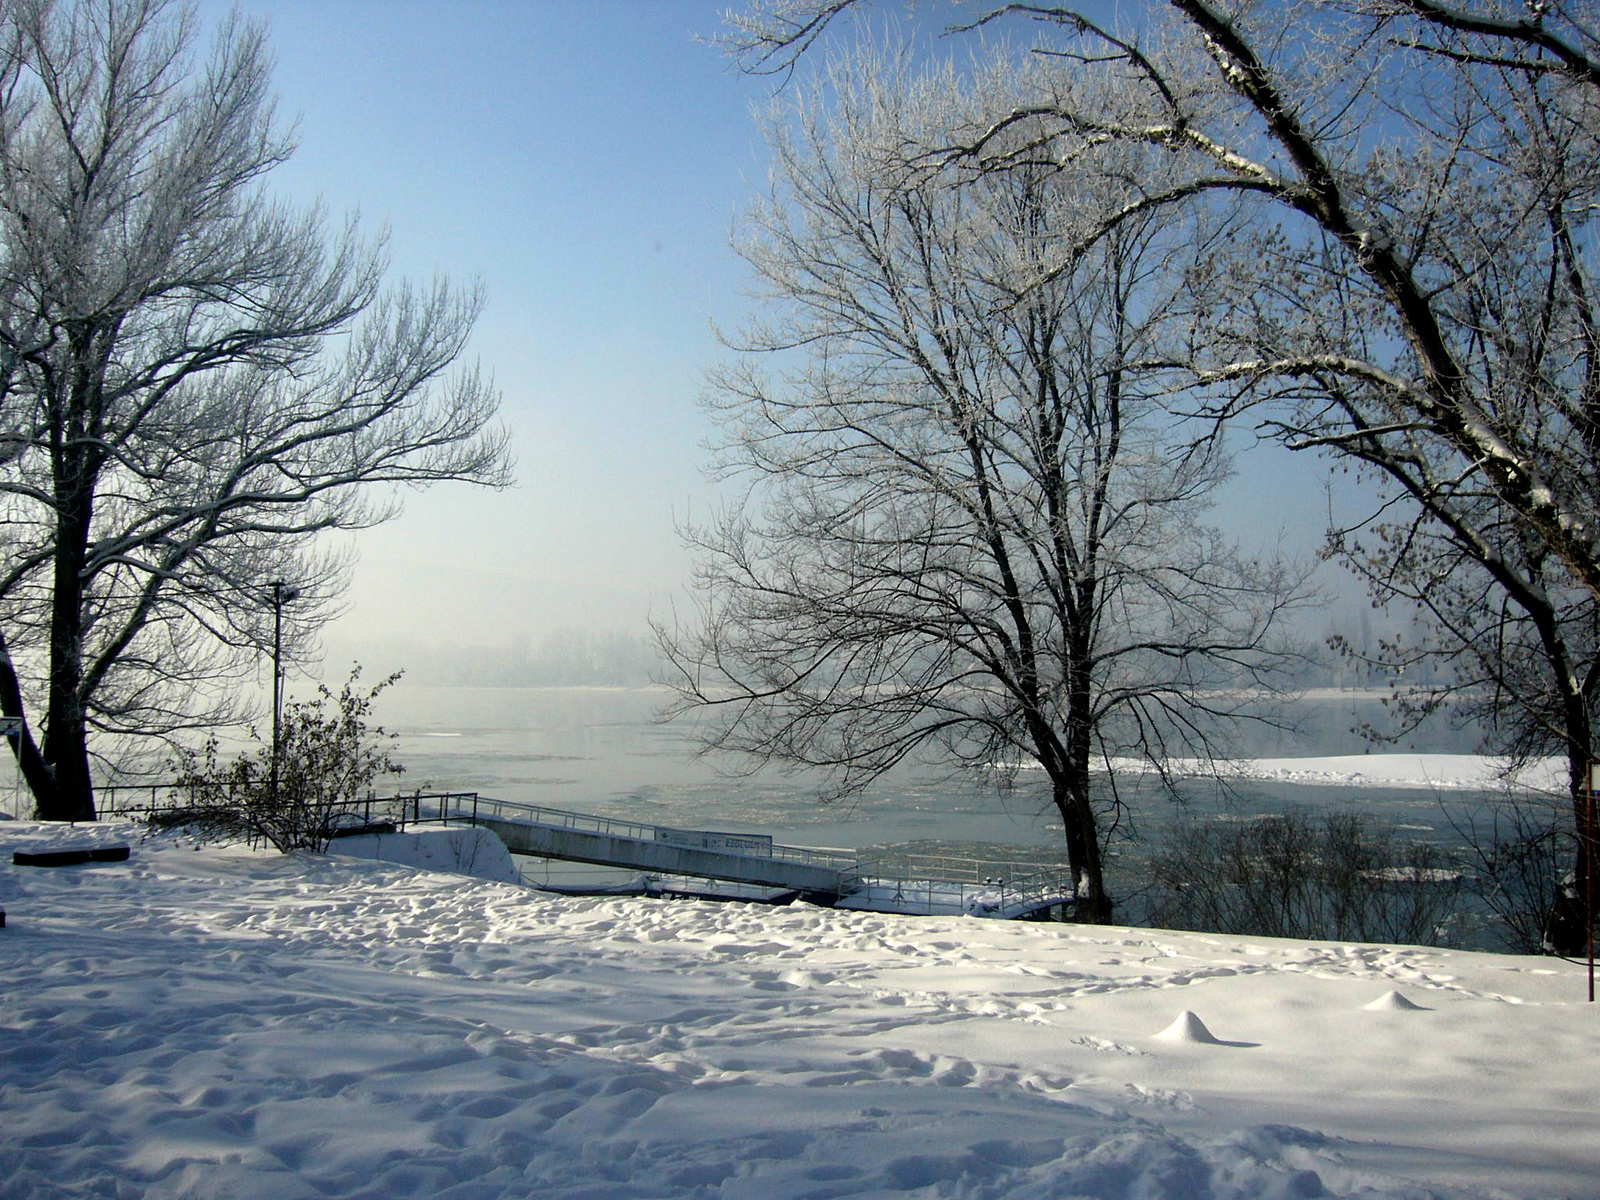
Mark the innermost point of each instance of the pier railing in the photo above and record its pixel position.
(174, 799)
(470, 806)
(942, 882)
(983, 872)
(936, 883)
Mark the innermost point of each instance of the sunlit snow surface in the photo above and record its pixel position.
(215, 1022)
(1441, 772)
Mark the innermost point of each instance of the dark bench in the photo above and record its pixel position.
(70, 857)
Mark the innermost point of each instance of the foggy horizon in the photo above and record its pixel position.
(587, 164)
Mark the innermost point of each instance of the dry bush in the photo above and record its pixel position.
(1340, 876)
(328, 759)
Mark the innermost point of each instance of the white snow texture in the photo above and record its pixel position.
(215, 1022)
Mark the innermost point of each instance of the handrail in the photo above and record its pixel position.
(443, 807)
(490, 806)
(403, 808)
(951, 868)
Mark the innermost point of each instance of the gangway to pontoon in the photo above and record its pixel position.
(670, 859)
(921, 884)
(754, 859)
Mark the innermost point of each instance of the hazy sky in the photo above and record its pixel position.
(585, 160)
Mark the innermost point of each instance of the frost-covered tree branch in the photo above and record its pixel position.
(196, 380)
(971, 530)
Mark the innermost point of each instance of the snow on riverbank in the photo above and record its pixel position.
(214, 1022)
(1442, 772)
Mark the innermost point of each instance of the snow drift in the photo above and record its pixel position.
(211, 1022)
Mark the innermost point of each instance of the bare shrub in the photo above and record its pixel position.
(1522, 850)
(1340, 876)
(327, 761)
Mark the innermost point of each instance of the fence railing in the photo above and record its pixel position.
(473, 806)
(401, 809)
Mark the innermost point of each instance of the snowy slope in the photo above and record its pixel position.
(454, 849)
(212, 1022)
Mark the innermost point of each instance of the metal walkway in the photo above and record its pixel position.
(739, 865)
(920, 884)
(660, 849)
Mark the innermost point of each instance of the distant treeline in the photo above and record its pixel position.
(562, 658)
(1339, 656)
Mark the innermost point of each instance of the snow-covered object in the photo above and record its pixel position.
(207, 1021)
(1392, 1001)
(1188, 1028)
(457, 849)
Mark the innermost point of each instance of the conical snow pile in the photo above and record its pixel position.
(1392, 1001)
(1188, 1028)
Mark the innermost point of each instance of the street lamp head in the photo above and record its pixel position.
(283, 593)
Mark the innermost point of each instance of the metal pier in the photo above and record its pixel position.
(658, 849)
(701, 862)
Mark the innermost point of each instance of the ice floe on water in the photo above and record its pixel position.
(209, 1021)
(1444, 772)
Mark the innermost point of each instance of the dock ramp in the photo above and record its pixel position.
(658, 849)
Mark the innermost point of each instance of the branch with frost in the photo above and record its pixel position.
(771, 36)
(1535, 34)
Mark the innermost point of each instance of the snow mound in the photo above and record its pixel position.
(453, 849)
(1188, 1028)
(1393, 1001)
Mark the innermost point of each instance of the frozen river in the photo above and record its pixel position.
(602, 750)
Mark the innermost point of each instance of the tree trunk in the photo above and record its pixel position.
(1071, 789)
(1094, 906)
(70, 795)
(1572, 913)
(35, 771)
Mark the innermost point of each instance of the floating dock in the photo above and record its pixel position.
(752, 867)
(670, 861)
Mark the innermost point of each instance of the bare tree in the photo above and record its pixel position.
(195, 379)
(1508, 641)
(970, 530)
(1416, 187)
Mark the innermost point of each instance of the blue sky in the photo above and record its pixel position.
(586, 161)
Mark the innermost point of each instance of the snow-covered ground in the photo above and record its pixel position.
(216, 1022)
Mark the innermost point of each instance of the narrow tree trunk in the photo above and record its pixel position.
(70, 795)
(1093, 906)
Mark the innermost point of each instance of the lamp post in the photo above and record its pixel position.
(282, 594)
(1588, 881)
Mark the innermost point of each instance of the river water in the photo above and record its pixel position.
(604, 751)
